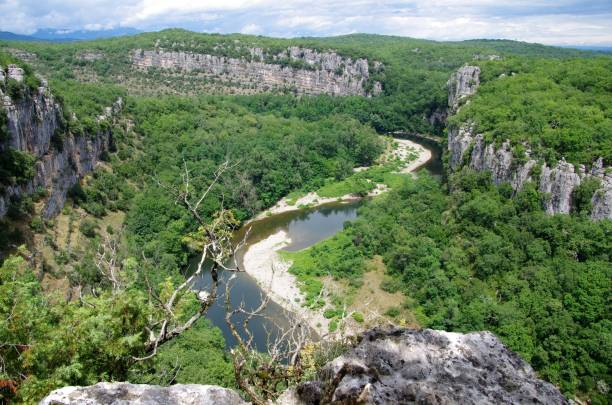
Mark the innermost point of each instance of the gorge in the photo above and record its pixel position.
(433, 219)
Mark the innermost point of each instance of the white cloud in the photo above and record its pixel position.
(251, 29)
(545, 21)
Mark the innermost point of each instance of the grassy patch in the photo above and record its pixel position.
(336, 257)
(294, 196)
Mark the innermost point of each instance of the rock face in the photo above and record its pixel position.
(32, 122)
(405, 366)
(387, 366)
(467, 148)
(125, 393)
(462, 84)
(317, 72)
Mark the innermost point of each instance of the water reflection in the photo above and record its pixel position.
(304, 227)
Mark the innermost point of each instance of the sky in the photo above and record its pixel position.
(561, 22)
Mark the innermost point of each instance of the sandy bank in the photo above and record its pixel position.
(403, 150)
(405, 147)
(262, 262)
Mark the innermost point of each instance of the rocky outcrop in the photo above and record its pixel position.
(125, 393)
(33, 123)
(386, 366)
(462, 84)
(467, 148)
(302, 70)
(406, 366)
(601, 201)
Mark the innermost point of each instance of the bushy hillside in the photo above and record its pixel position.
(558, 108)
(414, 75)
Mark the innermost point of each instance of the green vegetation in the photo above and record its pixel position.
(560, 108)
(477, 260)
(414, 74)
(12, 87)
(269, 156)
(196, 357)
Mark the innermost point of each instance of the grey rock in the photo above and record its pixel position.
(90, 56)
(32, 122)
(559, 181)
(15, 73)
(140, 394)
(329, 73)
(601, 201)
(462, 84)
(393, 366)
(459, 140)
(1, 76)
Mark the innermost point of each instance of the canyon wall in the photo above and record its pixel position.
(32, 122)
(467, 148)
(317, 72)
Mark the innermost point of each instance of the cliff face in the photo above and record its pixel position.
(467, 148)
(387, 366)
(322, 72)
(32, 122)
(462, 84)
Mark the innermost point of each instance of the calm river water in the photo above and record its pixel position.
(305, 228)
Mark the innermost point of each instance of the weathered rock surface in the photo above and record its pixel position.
(125, 393)
(405, 366)
(32, 122)
(387, 366)
(467, 148)
(462, 84)
(323, 72)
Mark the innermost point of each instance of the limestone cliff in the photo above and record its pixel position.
(387, 366)
(33, 126)
(467, 148)
(302, 70)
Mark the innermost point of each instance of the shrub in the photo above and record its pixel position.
(37, 224)
(358, 316)
(333, 325)
(16, 167)
(392, 312)
(88, 227)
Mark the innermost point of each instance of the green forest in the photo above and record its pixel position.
(559, 108)
(466, 255)
(479, 260)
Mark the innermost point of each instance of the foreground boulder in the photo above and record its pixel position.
(125, 393)
(402, 366)
(387, 366)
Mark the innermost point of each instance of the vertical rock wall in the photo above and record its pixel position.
(32, 122)
(321, 72)
(467, 148)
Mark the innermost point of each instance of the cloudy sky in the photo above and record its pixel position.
(560, 22)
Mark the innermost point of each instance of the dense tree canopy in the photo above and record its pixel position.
(560, 108)
(477, 260)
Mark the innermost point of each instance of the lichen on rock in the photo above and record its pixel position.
(404, 366)
(105, 393)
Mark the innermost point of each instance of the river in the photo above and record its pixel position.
(304, 227)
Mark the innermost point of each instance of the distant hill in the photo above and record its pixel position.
(63, 35)
(9, 36)
(602, 49)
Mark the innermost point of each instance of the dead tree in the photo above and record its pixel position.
(214, 240)
(263, 375)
